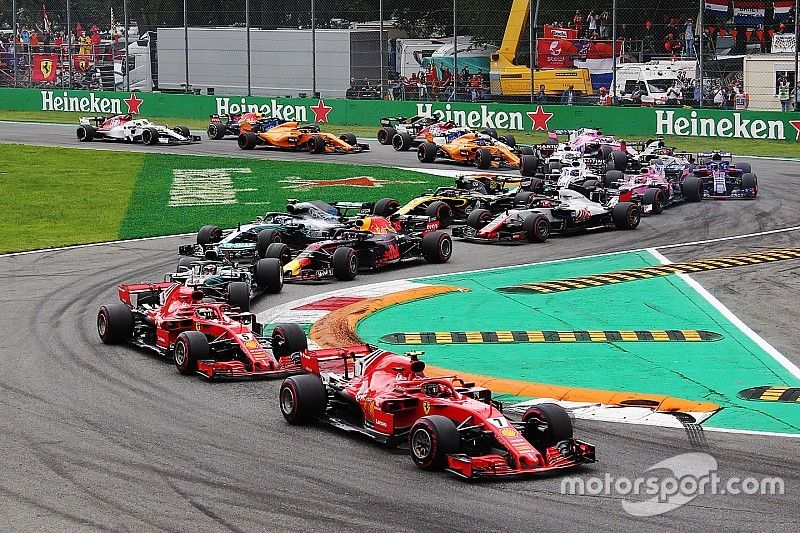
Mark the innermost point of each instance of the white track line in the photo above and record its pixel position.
(736, 321)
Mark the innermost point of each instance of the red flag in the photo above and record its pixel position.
(81, 62)
(44, 67)
(555, 53)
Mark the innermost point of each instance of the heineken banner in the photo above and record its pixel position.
(626, 121)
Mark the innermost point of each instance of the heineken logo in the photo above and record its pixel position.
(52, 101)
(272, 109)
(732, 126)
(483, 118)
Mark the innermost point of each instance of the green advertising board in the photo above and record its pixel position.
(626, 121)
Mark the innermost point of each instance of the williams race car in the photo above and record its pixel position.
(370, 243)
(128, 129)
(448, 424)
(723, 179)
(287, 135)
(234, 283)
(206, 337)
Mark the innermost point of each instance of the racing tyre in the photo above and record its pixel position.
(288, 339)
(692, 189)
(216, 131)
(750, 181)
(265, 239)
(185, 263)
(528, 164)
(386, 135)
(654, 197)
(478, 218)
(553, 167)
(426, 152)
(402, 142)
(590, 185)
(150, 136)
(744, 167)
(483, 158)
(546, 424)
(612, 176)
(303, 398)
(385, 207)
(190, 347)
(620, 159)
(209, 235)
(508, 140)
(431, 440)
(441, 211)
(86, 133)
(491, 132)
(604, 152)
(626, 215)
(524, 199)
(315, 144)
(437, 247)
(247, 140)
(526, 150)
(269, 275)
(183, 131)
(345, 264)
(279, 251)
(349, 138)
(115, 323)
(536, 227)
(239, 295)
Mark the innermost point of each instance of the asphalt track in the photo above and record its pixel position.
(112, 438)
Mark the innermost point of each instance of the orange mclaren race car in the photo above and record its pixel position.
(480, 149)
(293, 135)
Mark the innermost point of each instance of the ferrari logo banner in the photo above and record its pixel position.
(44, 67)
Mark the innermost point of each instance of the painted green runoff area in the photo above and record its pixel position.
(63, 196)
(708, 372)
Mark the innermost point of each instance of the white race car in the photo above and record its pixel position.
(126, 128)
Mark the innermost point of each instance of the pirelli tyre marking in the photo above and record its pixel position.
(689, 267)
(551, 336)
(772, 394)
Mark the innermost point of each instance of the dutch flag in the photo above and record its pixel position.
(717, 8)
(782, 8)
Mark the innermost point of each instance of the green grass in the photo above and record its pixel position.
(688, 144)
(58, 196)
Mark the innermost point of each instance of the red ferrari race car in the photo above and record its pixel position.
(448, 424)
(204, 336)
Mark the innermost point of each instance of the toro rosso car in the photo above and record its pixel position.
(221, 126)
(371, 243)
(234, 283)
(447, 424)
(288, 135)
(723, 179)
(449, 204)
(411, 127)
(128, 129)
(481, 150)
(301, 224)
(201, 335)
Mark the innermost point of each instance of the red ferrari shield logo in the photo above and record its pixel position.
(426, 407)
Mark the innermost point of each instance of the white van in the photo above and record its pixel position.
(652, 79)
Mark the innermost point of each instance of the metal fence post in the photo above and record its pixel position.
(14, 36)
(313, 49)
(247, 25)
(127, 54)
(455, 54)
(614, 53)
(796, 49)
(68, 37)
(186, 42)
(700, 52)
(533, 15)
(383, 73)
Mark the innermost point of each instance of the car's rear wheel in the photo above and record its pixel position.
(183, 131)
(441, 211)
(115, 323)
(426, 152)
(349, 138)
(626, 215)
(190, 347)
(315, 144)
(239, 295)
(216, 131)
(612, 178)
(692, 188)
(437, 247)
(247, 140)
(385, 207)
(150, 136)
(345, 264)
(265, 238)
(528, 165)
(385, 135)
(209, 234)
(526, 150)
(620, 160)
(478, 218)
(279, 251)
(536, 227)
(288, 339)
(508, 140)
(744, 167)
(431, 439)
(303, 398)
(86, 133)
(654, 197)
(402, 141)
(483, 158)
(524, 199)
(546, 424)
(491, 132)
(269, 275)
(185, 263)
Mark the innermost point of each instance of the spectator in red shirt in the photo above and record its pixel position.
(578, 21)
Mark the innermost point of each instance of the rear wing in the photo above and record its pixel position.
(136, 294)
(339, 360)
(217, 119)
(95, 121)
(391, 121)
(724, 156)
(353, 208)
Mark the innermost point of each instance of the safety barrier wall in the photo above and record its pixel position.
(627, 121)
